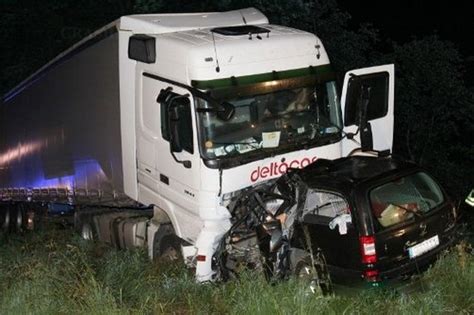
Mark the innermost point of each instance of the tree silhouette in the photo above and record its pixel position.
(434, 106)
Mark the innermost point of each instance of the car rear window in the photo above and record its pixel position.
(401, 199)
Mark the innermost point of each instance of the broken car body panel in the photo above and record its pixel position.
(334, 202)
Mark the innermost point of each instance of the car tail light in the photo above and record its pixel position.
(367, 249)
(371, 275)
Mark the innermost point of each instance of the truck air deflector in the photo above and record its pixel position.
(262, 77)
(240, 30)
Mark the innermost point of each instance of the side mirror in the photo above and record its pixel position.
(173, 123)
(164, 95)
(360, 93)
(226, 111)
(366, 139)
(173, 105)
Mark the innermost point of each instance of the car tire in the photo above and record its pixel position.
(316, 276)
(167, 245)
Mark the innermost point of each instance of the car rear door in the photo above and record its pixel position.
(331, 228)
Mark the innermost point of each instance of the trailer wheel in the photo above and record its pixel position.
(316, 276)
(6, 220)
(83, 224)
(167, 245)
(19, 219)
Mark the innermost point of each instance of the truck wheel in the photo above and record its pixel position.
(166, 245)
(5, 224)
(84, 225)
(316, 276)
(87, 232)
(20, 219)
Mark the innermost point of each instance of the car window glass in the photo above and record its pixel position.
(399, 200)
(326, 204)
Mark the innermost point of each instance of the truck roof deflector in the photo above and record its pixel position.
(240, 30)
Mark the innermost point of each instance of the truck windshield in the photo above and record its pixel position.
(275, 115)
(404, 198)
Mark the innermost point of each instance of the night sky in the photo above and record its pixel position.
(405, 20)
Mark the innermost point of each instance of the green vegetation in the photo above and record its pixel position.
(56, 272)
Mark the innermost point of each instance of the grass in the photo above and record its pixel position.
(56, 272)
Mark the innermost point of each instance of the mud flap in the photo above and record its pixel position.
(153, 227)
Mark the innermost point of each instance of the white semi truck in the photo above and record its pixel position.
(181, 113)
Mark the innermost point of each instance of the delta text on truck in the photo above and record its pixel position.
(151, 129)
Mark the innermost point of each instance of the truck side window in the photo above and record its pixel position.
(378, 103)
(185, 123)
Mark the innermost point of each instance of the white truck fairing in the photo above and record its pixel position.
(172, 22)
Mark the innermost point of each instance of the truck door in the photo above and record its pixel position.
(171, 179)
(367, 109)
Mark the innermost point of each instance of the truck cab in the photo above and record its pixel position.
(278, 90)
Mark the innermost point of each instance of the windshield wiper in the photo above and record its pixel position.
(254, 143)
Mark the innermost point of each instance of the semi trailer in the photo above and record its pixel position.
(152, 127)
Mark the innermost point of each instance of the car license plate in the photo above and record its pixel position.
(423, 247)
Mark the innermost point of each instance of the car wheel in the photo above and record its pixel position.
(167, 245)
(314, 276)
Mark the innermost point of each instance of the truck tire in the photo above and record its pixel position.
(316, 276)
(84, 225)
(13, 219)
(87, 231)
(19, 218)
(5, 223)
(167, 245)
